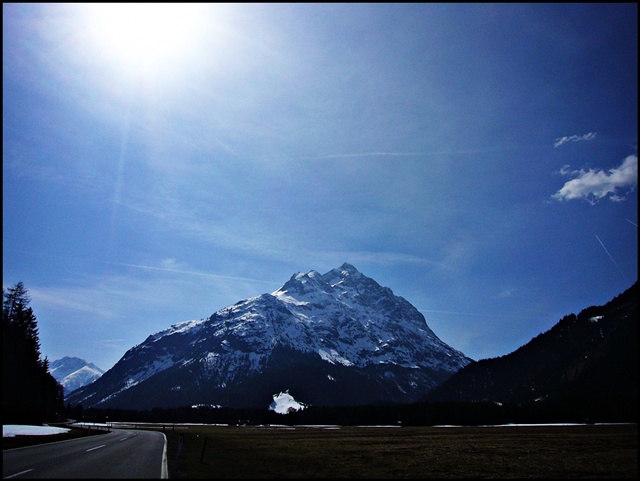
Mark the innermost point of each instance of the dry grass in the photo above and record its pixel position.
(591, 451)
(570, 452)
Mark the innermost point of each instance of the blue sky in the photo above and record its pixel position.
(478, 159)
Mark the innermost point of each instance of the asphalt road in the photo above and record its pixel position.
(122, 453)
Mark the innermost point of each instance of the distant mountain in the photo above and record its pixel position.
(73, 372)
(588, 358)
(323, 339)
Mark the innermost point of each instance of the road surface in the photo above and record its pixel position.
(121, 453)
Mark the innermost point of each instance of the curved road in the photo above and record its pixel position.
(119, 454)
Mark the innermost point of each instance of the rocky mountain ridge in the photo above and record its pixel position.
(327, 339)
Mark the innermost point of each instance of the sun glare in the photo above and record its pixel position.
(145, 36)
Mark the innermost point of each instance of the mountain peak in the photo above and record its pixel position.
(305, 286)
(74, 372)
(342, 273)
(331, 338)
(348, 268)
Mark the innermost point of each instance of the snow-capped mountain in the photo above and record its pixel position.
(326, 339)
(73, 372)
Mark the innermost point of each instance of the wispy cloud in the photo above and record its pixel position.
(367, 154)
(427, 153)
(114, 344)
(506, 293)
(574, 138)
(169, 265)
(368, 257)
(593, 185)
(144, 292)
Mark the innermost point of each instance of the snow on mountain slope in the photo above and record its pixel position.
(74, 373)
(333, 338)
(83, 376)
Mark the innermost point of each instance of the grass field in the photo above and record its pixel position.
(585, 451)
(569, 452)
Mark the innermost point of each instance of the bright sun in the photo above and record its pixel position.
(145, 36)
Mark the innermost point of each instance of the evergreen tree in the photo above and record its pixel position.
(31, 395)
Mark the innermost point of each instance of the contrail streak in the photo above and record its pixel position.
(631, 222)
(162, 269)
(611, 257)
(191, 273)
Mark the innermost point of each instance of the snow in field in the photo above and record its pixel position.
(284, 403)
(11, 430)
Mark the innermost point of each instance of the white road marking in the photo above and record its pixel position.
(17, 474)
(97, 447)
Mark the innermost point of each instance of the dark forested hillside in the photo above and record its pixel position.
(30, 395)
(588, 359)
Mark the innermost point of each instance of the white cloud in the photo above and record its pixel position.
(594, 185)
(574, 138)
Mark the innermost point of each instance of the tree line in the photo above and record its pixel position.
(566, 409)
(30, 394)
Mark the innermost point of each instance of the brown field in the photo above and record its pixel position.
(585, 451)
(569, 452)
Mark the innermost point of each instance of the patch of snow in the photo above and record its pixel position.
(12, 430)
(284, 403)
(177, 328)
(334, 357)
(130, 383)
(282, 295)
(83, 376)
